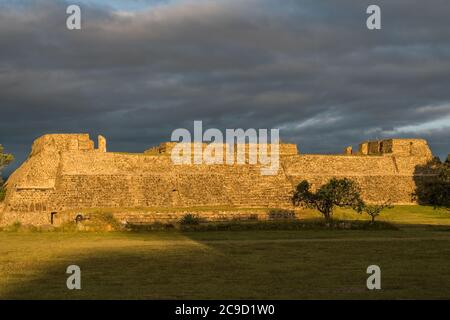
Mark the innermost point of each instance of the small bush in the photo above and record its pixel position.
(108, 218)
(281, 214)
(99, 222)
(190, 219)
(374, 210)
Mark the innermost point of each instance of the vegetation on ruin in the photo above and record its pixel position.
(5, 159)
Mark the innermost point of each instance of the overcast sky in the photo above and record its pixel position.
(140, 69)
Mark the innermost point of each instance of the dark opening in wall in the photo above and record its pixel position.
(52, 215)
(79, 218)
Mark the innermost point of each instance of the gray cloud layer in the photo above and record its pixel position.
(309, 67)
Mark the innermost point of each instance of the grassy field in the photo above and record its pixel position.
(300, 264)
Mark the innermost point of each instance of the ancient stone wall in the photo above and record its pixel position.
(65, 172)
(396, 147)
(246, 149)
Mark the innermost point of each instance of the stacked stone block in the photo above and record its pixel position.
(66, 172)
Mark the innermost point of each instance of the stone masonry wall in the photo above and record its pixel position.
(65, 172)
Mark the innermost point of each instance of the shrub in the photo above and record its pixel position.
(99, 222)
(190, 219)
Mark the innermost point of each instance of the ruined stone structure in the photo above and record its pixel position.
(66, 172)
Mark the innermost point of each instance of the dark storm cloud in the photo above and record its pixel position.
(309, 67)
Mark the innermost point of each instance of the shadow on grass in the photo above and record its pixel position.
(134, 267)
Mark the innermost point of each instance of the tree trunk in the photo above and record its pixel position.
(328, 218)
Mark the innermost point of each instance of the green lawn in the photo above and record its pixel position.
(303, 264)
(406, 214)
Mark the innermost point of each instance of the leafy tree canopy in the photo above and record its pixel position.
(5, 158)
(335, 193)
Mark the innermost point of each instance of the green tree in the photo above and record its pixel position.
(335, 193)
(437, 192)
(5, 159)
(440, 189)
(374, 210)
